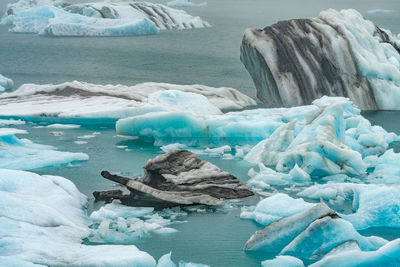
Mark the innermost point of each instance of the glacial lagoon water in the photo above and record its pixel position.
(205, 56)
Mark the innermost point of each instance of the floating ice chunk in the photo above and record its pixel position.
(372, 205)
(279, 261)
(165, 261)
(185, 3)
(276, 236)
(5, 83)
(22, 154)
(80, 142)
(47, 229)
(325, 234)
(275, 208)
(387, 255)
(85, 100)
(63, 126)
(11, 122)
(379, 11)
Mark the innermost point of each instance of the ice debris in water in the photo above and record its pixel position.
(48, 229)
(279, 261)
(5, 83)
(58, 18)
(165, 261)
(4, 122)
(119, 224)
(63, 126)
(23, 154)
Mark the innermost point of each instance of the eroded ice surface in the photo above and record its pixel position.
(339, 53)
(22, 154)
(85, 100)
(371, 205)
(48, 228)
(5, 83)
(58, 18)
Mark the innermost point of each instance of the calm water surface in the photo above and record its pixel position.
(203, 56)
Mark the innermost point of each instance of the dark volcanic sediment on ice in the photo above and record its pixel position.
(176, 178)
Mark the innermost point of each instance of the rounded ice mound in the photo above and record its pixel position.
(178, 100)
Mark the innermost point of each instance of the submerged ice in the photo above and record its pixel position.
(58, 18)
(23, 154)
(339, 53)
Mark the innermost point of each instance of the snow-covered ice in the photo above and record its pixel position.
(132, 18)
(63, 126)
(48, 229)
(22, 154)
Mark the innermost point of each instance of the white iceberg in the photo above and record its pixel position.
(48, 229)
(165, 261)
(185, 3)
(22, 154)
(5, 83)
(80, 100)
(132, 18)
(287, 261)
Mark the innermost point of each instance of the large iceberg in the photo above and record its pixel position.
(48, 229)
(22, 154)
(58, 18)
(329, 137)
(5, 83)
(339, 53)
(185, 3)
(82, 100)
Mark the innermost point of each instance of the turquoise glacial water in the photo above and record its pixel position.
(204, 56)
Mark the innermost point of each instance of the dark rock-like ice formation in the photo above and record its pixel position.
(337, 54)
(176, 178)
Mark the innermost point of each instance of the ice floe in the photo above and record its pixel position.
(84, 100)
(22, 154)
(59, 18)
(63, 126)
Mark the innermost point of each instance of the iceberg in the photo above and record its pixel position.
(48, 229)
(339, 53)
(5, 83)
(371, 205)
(185, 3)
(22, 154)
(165, 261)
(310, 234)
(77, 101)
(132, 18)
